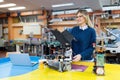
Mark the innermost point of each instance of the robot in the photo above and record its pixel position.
(61, 57)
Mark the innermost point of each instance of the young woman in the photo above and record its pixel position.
(85, 36)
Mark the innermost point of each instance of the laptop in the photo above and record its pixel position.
(22, 59)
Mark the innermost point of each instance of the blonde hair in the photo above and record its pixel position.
(86, 16)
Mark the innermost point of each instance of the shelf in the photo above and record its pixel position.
(63, 16)
(61, 23)
(110, 20)
(30, 23)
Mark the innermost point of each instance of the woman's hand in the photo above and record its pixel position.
(77, 58)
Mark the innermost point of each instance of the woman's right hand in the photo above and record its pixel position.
(77, 58)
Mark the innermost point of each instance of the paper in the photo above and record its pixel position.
(81, 68)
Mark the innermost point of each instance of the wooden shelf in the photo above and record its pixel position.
(27, 13)
(62, 23)
(110, 20)
(29, 23)
(63, 16)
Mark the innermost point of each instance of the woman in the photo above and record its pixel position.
(85, 36)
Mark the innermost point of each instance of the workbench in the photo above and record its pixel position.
(112, 72)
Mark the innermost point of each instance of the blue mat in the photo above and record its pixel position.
(7, 69)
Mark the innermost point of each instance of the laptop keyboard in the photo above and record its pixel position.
(34, 63)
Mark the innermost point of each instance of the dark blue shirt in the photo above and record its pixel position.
(84, 42)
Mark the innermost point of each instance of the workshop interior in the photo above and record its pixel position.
(35, 42)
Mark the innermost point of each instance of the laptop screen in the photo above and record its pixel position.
(20, 59)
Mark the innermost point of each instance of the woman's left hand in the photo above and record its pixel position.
(77, 58)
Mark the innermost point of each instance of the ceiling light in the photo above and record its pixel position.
(61, 5)
(16, 8)
(105, 8)
(1, 0)
(89, 10)
(7, 5)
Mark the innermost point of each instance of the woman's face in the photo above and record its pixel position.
(81, 19)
